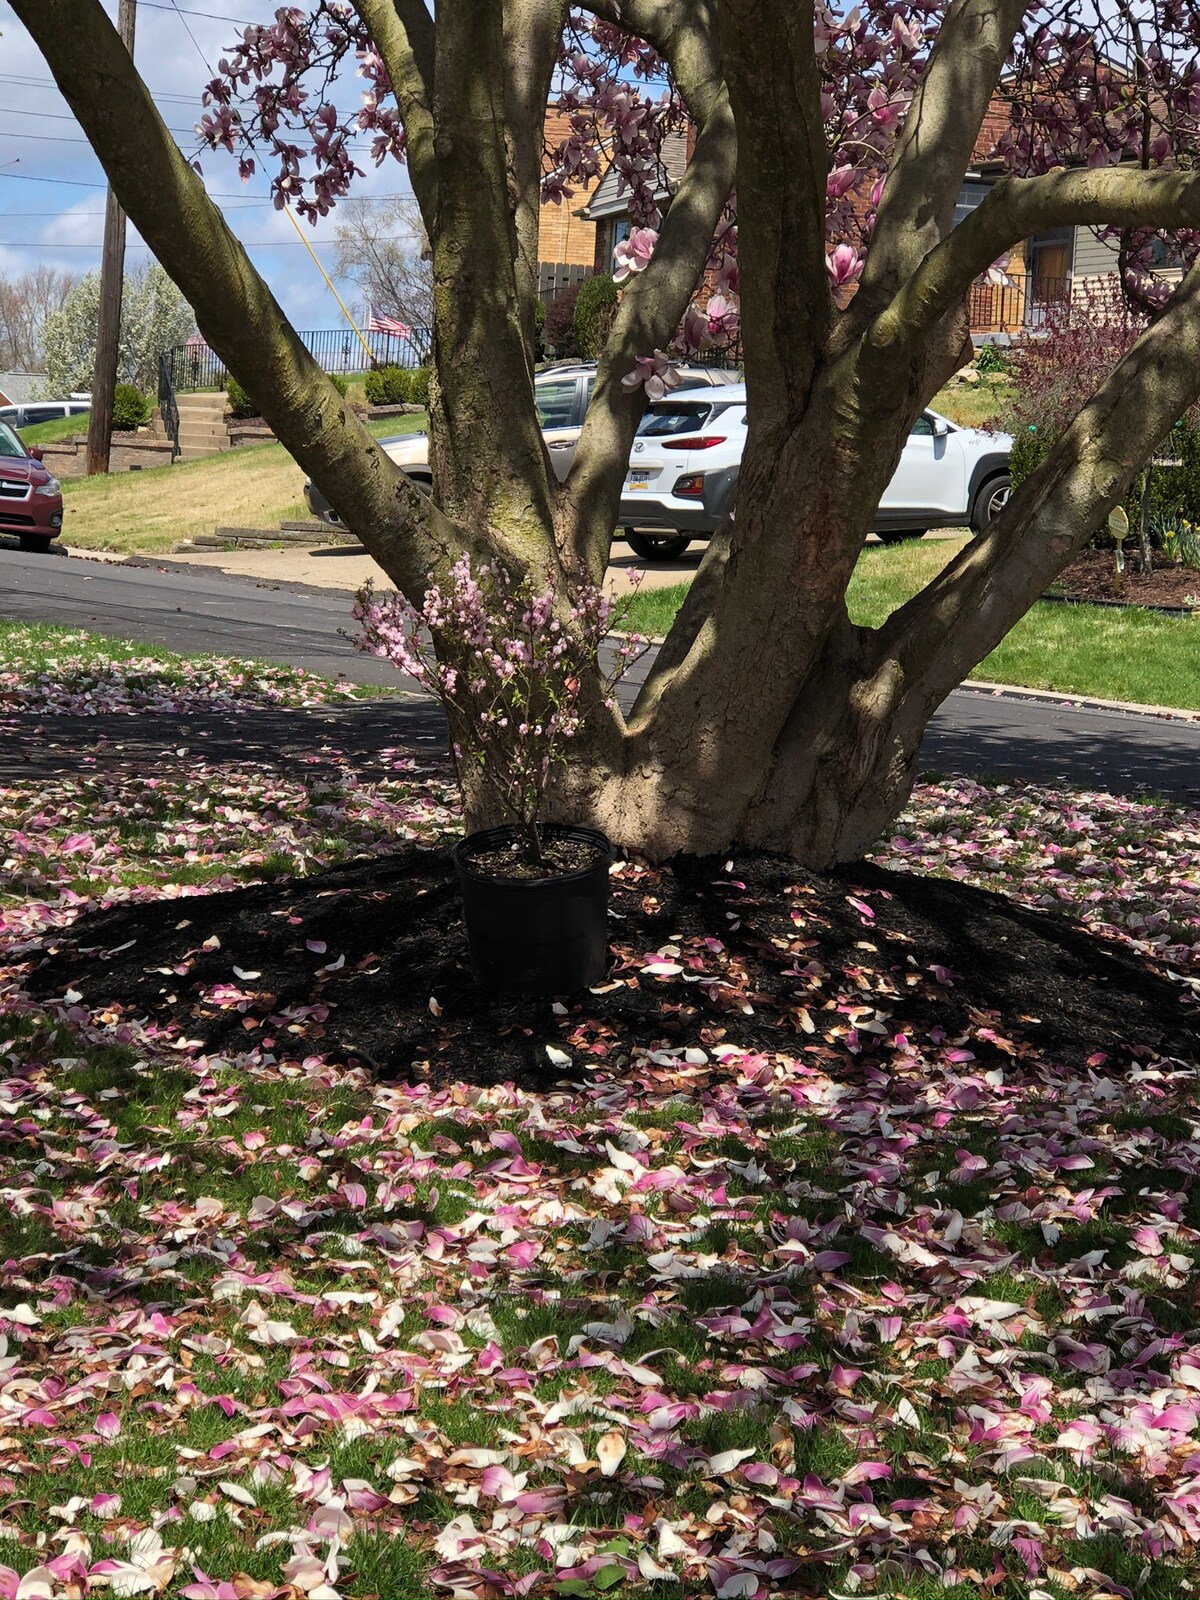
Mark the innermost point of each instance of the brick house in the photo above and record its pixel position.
(1044, 270)
(566, 238)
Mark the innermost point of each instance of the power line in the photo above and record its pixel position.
(65, 183)
(65, 138)
(247, 244)
(49, 83)
(76, 183)
(211, 16)
(183, 18)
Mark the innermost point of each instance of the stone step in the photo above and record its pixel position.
(202, 402)
(212, 442)
(270, 536)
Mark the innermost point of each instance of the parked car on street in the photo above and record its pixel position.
(29, 414)
(30, 496)
(688, 453)
(562, 395)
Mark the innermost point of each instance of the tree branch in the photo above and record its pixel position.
(1015, 209)
(490, 461)
(419, 26)
(936, 143)
(238, 315)
(650, 311)
(403, 33)
(952, 624)
(532, 30)
(769, 53)
(684, 35)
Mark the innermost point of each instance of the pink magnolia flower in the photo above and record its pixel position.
(655, 373)
(633, 255)
(844, 265)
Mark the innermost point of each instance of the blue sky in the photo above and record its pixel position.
(52, 198)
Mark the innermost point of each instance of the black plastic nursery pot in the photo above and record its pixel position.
(535, 936)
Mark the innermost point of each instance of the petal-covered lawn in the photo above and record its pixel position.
(887, 1314)
(47, 671)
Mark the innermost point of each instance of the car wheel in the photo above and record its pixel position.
(35, 541)
(990, 501)
(899, 535)
(421, 485)
(657, 546)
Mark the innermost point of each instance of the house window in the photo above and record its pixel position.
(969, 196)
(1166, 253)
(620, 232)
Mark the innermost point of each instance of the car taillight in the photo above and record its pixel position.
(691, 488)
(707, 441)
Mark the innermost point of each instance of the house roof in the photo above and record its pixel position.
(17, 387)
(611, 200)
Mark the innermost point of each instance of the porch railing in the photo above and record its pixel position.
(1012, 307)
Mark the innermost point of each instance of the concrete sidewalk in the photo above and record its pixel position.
(347, 567)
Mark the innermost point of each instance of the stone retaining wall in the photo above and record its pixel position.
(67, 458)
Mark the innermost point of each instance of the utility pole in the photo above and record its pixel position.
(108, 321)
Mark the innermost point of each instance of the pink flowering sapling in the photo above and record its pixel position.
(515, 668)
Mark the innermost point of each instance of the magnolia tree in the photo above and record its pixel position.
(154, 316)
(767, 717)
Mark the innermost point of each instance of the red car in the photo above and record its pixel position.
(30, 495)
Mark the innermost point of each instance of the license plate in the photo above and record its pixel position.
(638, 484)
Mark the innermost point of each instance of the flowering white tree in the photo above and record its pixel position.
(154, 316)
(768, 716)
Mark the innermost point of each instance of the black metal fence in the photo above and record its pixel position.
(194, 366)
(168, 409)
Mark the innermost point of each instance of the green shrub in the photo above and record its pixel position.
(418, 387)
(595, 308)
(131, 408)
(240, 402)
(339, 383)
(991, 359)
(387, 386)
(1174, 491)
(539, 329)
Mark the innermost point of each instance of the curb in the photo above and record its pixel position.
(1062, 697)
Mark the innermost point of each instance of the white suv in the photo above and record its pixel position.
(688, 454)
(562, 395)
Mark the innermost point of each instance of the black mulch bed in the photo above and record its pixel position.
(403, 1003)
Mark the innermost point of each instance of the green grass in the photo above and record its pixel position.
(974, 405)
(1101, 651)
(150, 511)
(59, 428)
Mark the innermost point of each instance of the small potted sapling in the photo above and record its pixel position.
(512, 668)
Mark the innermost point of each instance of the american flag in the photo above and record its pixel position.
(390, 325)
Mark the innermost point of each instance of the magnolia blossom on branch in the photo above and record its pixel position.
(633, 254)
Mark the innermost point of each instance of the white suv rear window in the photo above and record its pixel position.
(665, 421)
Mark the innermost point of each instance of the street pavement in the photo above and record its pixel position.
(976, 731)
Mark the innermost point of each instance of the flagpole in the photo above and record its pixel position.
(329, 284)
